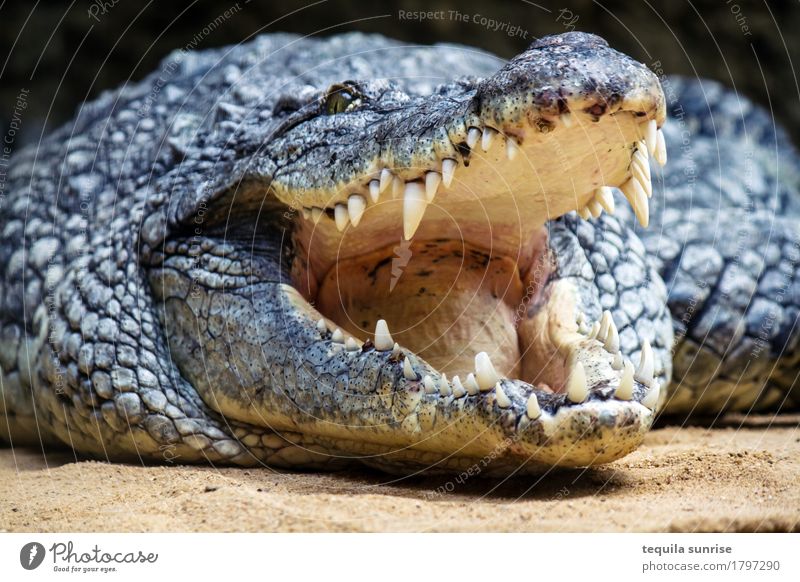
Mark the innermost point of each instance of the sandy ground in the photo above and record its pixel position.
(741, 477)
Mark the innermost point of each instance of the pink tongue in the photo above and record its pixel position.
(445, 301)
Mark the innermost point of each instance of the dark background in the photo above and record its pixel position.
(62, 55)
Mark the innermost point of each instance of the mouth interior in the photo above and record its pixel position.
(476, 275)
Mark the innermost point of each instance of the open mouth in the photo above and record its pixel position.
(454, 262)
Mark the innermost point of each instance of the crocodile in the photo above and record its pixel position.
(318, 252)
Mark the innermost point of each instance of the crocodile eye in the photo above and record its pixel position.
(339, 98)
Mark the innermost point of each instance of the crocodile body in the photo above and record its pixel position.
(200, 267)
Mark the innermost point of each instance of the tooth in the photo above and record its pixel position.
(444, 386)
(612, 339)
(641, 165)
(458, 387)
(617, 363)
(397, 187)
(605, 197)
(644, 373)
(661, 149)
(584, 213)
(316, 214)
(485, 373)
(408, 371)
(322, 327)
(430, 387)
(351, 345)
(386, 178)
(337, 336)
(432, 180)
(642, 177)
(580, 318)
(649, 130)
(512, 149)
(341, 217)
(487, 138)
(448, 169)
(532, 408)
(577, 390)
(595, 330)
(605, 323)
(414, 204)
(638, 198)
(641, 148)
(594, 208)
(471, 385)
(625, 389)
(383, 339)
(500, 396)
(355, 208)
(566, 119)
(651, 398)
(473, 135)
(374, 190)
(306, 213)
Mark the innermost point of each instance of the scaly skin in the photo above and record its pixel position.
(161, 283)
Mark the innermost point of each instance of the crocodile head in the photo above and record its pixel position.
(441, 296)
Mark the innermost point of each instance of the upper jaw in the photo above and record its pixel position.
(541, 137)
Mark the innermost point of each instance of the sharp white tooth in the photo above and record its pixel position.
(580, 318)
(398, 186)
(577, 391)
(351, 345)
(432, 181)
(642, 177)
(473, 135)
(458, 387)
(487, 138)
(605, 197)
(649, 130)
(638, 200)
(612, 338)
(430, 387)
(584, 213)
(322, 327)
(661, 149)
(651, 398)
(532, 408)
(566, 119)
(471, 385)
(414, 204)
(408, 370)
(316, 214)
(641, 148)
(386, 179)
(512, 149)
(383, 339)
(500, 396)
(605, 323)
(595, 330)
(617, 362)
(644, 373)
(625, 389)
(356, 205)
(396, 348)
(485, 373)
(306, 213)
(444, 386)
(641, 165)
(374, 190)
(341, 217)
(594, 208)
(337, 336)
(448, 169)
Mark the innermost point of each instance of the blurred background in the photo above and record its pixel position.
(57, 54)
